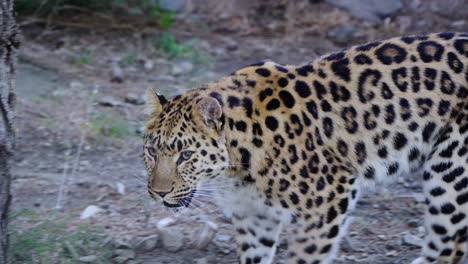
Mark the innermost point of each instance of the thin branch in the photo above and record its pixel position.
(64, 185)
(58, 205)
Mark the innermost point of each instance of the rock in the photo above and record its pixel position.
(232, 46)
(421, 230)
(458, 23)
(182, 67)
(448, 8)
(371, 10)
(404, 23)
(148, 65)
(205, 236)
(120, 260)
(165, 222)
(88, 259)
(116, 74)
(126, 253)
(423, 24)
(90, 211)
(132, 98)
(76, 85)
(109, 101)
(172, 239)
(412, 240)
(201, 261)
(140, 130)
(413, 223)
(419, 197)
(172, 5)
(147, 243)
(120, 188)
(351, 257)
(223, 238)
(341, 34)
(222, 242)
(132, 261)
(120, 244)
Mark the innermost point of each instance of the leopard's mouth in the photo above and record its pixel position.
(182, 202)
(170, 205)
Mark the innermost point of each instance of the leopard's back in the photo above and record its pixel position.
(377, 106)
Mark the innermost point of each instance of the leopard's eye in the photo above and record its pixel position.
(151, 151)
(186, 155)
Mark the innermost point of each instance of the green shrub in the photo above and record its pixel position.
(85, 57)
(104, 125)
(54, 241)
(168, 45)
(149, 9)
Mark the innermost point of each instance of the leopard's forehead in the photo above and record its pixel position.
(173, 128)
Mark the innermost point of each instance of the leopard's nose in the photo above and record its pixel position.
(162, 194)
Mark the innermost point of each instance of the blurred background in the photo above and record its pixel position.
(79, 184)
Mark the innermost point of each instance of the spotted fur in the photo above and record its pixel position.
(275, 144)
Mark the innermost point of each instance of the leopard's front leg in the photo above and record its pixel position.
(317, 235)
(256, 237)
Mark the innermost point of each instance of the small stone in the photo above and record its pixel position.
(383, 237)
(419, 197)
(182, 67)
(127, 253)
(201, 261)
(413, 223)
(109, 101)
(140, 130)
(412, 240)
(421, 230)
(223, 238)
(172, 239)
(206, 234)
(459, 23)
(341, 34)
(88, 259)
(76, 85)
(232, 46)
(226, 251)
(120, 260)
(392, 253)
(132, 98)
(147, 243)
(90, 211)
(148, 65)
(165, 222)
(120, 244)
(120, 188)
(404, 23)
(351, 257)
(371, 10)
(448, 8)
(116, 74)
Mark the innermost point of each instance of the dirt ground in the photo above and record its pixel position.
(79, 133)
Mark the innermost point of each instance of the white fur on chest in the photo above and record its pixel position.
(245, 200)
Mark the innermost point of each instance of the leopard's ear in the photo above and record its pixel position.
(210, 110)
(154, 102)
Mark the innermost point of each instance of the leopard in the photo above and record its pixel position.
(290, 147)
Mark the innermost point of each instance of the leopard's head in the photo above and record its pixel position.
(183, 145)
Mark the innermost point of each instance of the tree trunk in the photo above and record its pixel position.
(9, 43)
